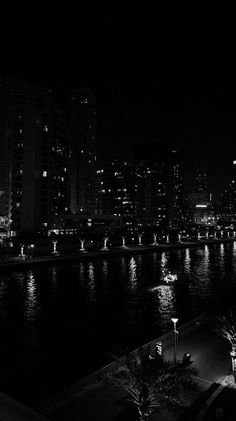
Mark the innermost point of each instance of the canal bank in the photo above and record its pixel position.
(15, 262)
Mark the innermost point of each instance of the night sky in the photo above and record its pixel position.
(159, 73)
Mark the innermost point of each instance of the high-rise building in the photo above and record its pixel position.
(116, 190)
(151, 203)
(175, 189)
(82, 121)
(200, 202)
(162, 174)
(201, 184)
(35, 157)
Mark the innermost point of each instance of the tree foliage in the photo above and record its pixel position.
(225, 326)
(153, 383)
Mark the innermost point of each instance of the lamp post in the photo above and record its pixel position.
(155, 240)
(233, 359)
(140, 240)
(105, 248)
(22, 255)
(175, 320)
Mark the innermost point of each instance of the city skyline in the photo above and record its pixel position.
(155, 74)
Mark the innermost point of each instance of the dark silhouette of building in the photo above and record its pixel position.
(82, 122)
(35, 157)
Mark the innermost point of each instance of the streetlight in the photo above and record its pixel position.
(175, 320)
(233, 359)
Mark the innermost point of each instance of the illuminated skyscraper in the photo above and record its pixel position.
(82, 121)
(35, 157)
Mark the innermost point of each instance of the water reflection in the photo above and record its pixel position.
(105, 269)
(123, 266)
(31, 302)
(165, 301)
(163, 260)
(91, 283)
(187, 261)
(206, 248)
(135, 302)
(200, 286)
(81, 271)
(222, 257)
(3, 297)
(132, 273)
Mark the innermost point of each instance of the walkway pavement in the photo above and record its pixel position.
(89, 400)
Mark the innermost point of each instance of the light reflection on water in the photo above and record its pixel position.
(31, 300)
(187, 261)
(91, 283)
(116, 300)
(165, 304)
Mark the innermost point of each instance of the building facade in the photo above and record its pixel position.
(36, 158)
(82, 122)
(116, 190)
(200, 203)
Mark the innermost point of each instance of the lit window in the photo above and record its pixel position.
(45, 173)
(82, 151)
(20, 171)
(17, 204)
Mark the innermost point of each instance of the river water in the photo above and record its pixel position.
(62, 322)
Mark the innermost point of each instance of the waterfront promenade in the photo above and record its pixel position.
(91, 399)
(78, 255)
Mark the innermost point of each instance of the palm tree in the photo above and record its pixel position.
(225, 326)
(153, 383)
